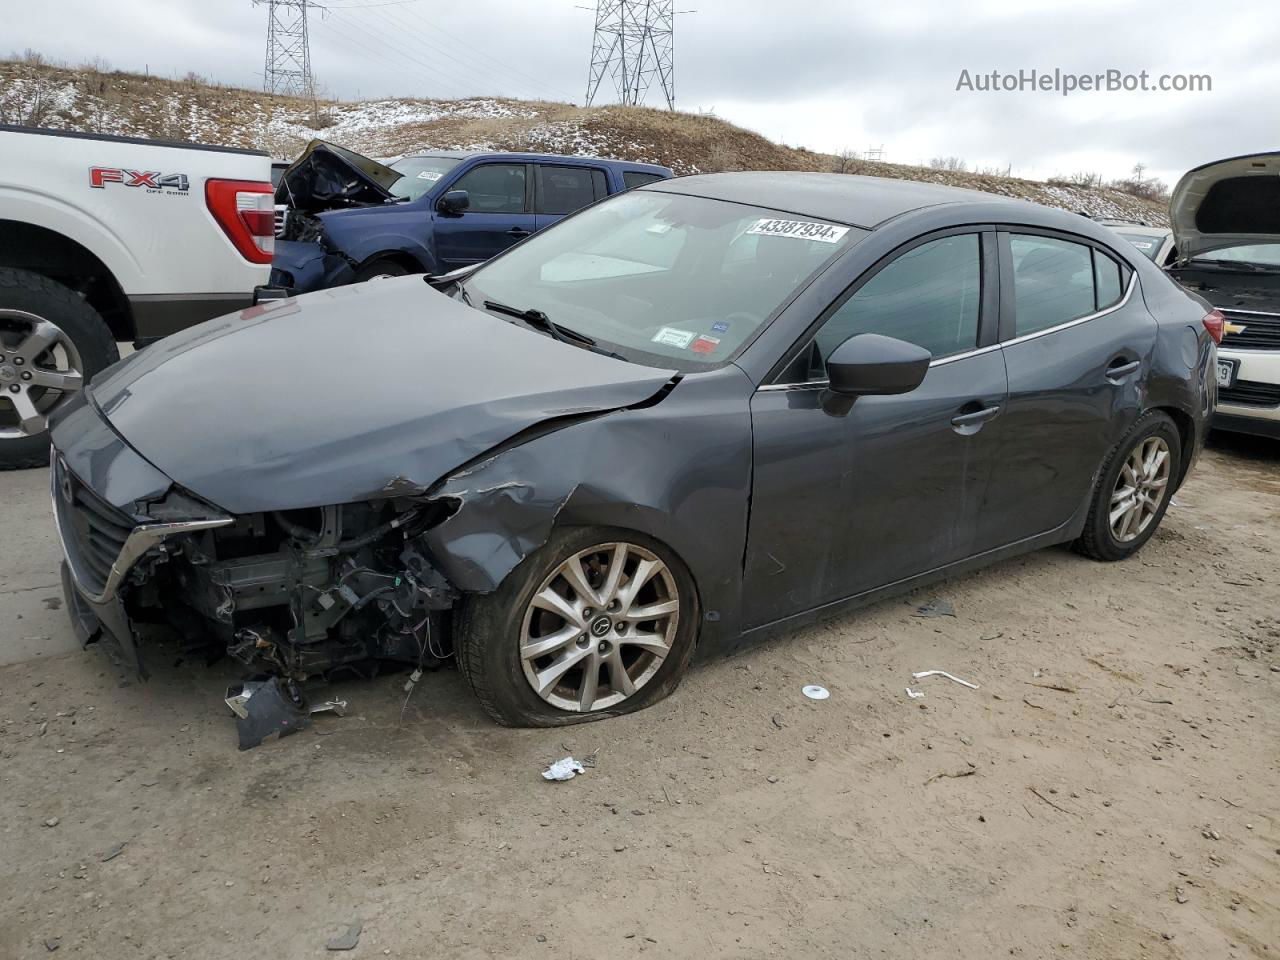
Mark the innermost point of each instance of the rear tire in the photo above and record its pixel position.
(495, 631)
(380, 270)
(1133, 491)
(83, 344)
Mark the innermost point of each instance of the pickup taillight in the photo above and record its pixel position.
(245, 209)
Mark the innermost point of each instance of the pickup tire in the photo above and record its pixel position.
(72, 339)
(380, 270)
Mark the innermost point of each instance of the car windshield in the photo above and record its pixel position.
(661, 278)
(420, 174)
(1258, 254)
(1149, 245)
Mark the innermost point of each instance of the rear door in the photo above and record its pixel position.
(500, 214)
(847, 501)
(559, 190)
(1077, 340)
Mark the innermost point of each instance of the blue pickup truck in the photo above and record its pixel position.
(350, 218)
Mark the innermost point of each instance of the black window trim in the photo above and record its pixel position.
(988, 306)
(1008, 306)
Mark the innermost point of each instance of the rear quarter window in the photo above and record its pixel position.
(635, 178)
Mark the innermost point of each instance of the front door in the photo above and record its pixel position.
(500, 215)
(845, 501)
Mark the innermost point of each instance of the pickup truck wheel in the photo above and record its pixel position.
(51, 343)
(380, 270)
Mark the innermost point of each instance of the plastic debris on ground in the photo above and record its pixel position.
(936, 608)
(347, 940)
(914, 694)
(565, 769)
(942, 673)
(815, 692)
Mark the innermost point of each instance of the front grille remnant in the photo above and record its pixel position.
(94, 532)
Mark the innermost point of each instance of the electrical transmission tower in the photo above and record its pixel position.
(634, 44)
(288, 64)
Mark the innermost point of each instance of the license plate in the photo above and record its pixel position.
(1226, 372)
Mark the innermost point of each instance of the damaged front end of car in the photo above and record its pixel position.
(296, 596)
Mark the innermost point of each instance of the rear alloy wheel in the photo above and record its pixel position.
(592, 625)
(51, 342)
(1133, 490)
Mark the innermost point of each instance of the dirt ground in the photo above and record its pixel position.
(1111, 790)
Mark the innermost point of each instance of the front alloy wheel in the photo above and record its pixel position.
(599, 627)
(596, 623)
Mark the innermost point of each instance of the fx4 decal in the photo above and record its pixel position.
(151, 180)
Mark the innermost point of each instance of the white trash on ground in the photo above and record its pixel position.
(565, 769)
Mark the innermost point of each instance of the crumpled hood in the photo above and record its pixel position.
(1229, 203)
(341, 394)
(327, 177)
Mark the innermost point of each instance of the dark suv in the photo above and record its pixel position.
(352, 218)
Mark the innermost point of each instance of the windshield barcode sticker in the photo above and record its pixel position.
(799, 229)
(429, 175)
(671, 337)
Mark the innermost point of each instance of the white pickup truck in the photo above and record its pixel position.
(106, 239)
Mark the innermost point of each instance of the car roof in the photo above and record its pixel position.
(507, 155)
(858, 201)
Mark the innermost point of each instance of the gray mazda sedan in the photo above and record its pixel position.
(699, 413)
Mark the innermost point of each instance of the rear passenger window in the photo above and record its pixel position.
(1052, 282)
(560, 190)
(1109, 281)
(928, 296)
(634, 178)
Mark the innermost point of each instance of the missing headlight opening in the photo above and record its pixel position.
(302, 595)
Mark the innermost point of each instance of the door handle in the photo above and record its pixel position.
(1119, 368)
(974, 419)
(518, 232)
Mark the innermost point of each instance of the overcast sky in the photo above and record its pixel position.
(826, 75)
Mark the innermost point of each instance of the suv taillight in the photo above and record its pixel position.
(1216, 324)
(245, 209)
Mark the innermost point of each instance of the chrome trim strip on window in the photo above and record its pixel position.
(816, 384)
(1133, 282)
(139, 541)
(821, 384)
(1248, 313)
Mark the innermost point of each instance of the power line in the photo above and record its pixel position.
(634, 45)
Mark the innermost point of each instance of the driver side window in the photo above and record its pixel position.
(928, 296)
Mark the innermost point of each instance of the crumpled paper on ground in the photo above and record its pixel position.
(565, 769)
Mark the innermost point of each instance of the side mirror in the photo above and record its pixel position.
(454, 203)
(871, 365)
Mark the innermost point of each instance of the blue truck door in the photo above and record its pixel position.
(500, 215)
(559, 190)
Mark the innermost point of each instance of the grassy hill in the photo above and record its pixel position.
(107, 101)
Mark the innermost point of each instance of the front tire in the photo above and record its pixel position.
(596, 623)
(51, 343)
(380, 270)
(1133, 491)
